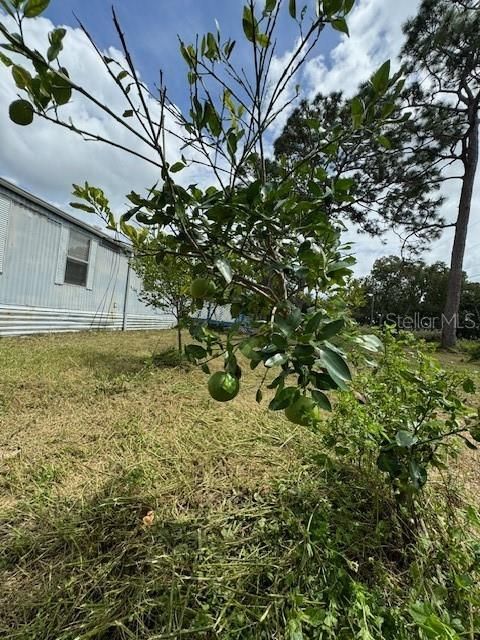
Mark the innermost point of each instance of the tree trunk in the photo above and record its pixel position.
(179, 337)
(454, 290)
(178, 317)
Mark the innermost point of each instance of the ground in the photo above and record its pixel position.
(98, 446)
(74, 407)
(469, 466)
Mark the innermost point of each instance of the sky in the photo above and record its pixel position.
(47, 160)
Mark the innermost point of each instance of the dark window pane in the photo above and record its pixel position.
(78, 246)
(76, 273)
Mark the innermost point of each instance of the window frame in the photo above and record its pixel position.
(77, 260)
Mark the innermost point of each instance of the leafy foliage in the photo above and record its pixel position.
(391, 177)
(412, 294)
(410, 412)
(165, 281)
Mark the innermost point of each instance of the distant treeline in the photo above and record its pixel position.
(411, 294)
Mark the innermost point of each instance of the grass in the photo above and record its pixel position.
(255, 532)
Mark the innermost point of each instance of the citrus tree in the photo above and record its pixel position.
(165, 281)
(251, 241)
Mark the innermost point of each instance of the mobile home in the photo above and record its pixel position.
(58, 273)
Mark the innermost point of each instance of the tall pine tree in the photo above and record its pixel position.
(443, 48)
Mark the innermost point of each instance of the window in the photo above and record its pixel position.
(76, 270)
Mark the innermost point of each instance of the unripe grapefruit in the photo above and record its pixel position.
(223, 386)
(201, 288)
(303, 411)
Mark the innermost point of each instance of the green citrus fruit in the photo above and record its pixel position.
(21, 112)
(223, 386)
(303, 411)
(201, 288)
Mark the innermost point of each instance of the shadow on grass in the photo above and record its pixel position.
(255, 568)
(113, 364)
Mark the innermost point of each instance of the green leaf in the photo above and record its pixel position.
(276, 360)
(232, 143)
(205, 368)
(225, 269)
(5, 60)
(34, 8)
(262, 39)
(213, 119)
(22, 77)
(388, 462)
(469, 386)
(380, 79)
(178, 166)
(314, 322)
(189, 55)
(248, 22)
(61, 89)
(284, 325)
(348, 6)
(332, 6)
(292, 8)
(418, 474)
(269, 6)
(357, 109)
(335, 365)
(82, 207)
(475, 433)
(294, 629)
(340, 24)
(55, 38)
(331, 329)
(283, 398)
(248, 348)
(321, 399)
(384, 142)
(195, 352)
(388, 109)
(21, 112)
(370, 342)
(405, 439)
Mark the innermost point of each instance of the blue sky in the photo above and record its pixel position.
(152, 31)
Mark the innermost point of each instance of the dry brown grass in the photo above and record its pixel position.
(468, 468)
(77, 407)
(93, 436)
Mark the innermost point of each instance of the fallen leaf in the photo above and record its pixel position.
(149, 518)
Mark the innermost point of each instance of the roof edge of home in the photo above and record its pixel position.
(43, 204)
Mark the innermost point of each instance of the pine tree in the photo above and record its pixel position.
(443, 47)
(397, 174)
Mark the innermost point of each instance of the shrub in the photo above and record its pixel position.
(410, 417)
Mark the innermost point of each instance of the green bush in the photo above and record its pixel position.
(409, 418)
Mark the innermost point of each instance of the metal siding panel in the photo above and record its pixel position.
(4, 216)
(31, 302)
(62, 255)
(91, 264)
(16, 320)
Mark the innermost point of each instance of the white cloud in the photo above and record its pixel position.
(375, 36)
(47, 160)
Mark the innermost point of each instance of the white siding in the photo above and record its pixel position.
(91, 264)
(4, 216)
(62, 255)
